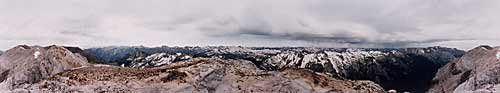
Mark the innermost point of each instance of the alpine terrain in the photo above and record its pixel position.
(225, 69)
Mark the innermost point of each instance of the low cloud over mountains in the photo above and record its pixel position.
(325, 23)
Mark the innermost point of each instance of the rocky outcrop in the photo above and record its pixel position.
(199, 75)
(24, 65)
(477, 71)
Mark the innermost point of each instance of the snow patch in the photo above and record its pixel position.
(102, 65)
(498, 55)
(36, 54)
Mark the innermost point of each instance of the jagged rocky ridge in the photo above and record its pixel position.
(405, 69)
(478, 71)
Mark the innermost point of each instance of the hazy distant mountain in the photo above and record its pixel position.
(118, 55)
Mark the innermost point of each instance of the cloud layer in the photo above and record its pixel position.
(321, 23)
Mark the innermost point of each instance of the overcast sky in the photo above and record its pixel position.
(319, 23)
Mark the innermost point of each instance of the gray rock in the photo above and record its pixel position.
(24, 65)
(478, 71)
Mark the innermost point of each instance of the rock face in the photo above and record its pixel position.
(199, 75)
(477, 71)
(405, 69)
(24, 65)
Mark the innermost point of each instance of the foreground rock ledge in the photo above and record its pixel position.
(198, 75)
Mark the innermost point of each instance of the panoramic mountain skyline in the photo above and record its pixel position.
(461, 24)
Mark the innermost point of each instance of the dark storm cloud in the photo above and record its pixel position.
(330, 23)
(342, 38)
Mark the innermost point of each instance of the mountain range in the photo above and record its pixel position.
(245, 69)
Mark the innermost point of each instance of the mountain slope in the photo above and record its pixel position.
(477, 71)
(24, 65)
(402, 69)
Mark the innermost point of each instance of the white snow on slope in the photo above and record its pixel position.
(498, 55)
(36, 54)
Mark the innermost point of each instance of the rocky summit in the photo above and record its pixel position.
(478, 71)
(224, 69)
(24, 65)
